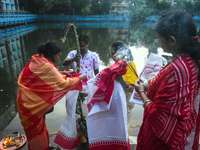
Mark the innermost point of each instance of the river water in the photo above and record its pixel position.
(17, 48)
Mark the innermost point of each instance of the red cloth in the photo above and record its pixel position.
(66, 142)
(170, 118)
(105, 82)
(107, 145)
(84, 81)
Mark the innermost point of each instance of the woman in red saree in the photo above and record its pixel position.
(171, 117)
(41, 86)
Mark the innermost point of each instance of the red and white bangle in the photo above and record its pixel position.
(146, 101)
(141, 92)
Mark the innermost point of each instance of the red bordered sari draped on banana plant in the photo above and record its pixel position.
(171, 121)
(41, 86)
(107, 118)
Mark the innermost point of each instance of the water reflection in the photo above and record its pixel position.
(12, 61)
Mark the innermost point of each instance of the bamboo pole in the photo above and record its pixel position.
(81, 123)
(63, 39)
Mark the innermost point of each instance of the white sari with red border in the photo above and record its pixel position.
(107, 122)
(67, 135)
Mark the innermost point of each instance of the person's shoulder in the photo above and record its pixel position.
(130, 62)
(181, 64)
(92, 53)
(73, 51)
(183, 58)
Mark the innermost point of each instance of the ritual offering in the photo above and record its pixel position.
(153, 66)
(13, 141)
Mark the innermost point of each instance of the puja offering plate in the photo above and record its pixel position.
(13, 141)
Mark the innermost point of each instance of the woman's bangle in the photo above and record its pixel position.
(146, 101)
(141, 92)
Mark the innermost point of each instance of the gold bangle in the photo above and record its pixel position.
(146, 101)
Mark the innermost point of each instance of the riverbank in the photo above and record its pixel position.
(154, 18)
(132, 139)
(7, 20)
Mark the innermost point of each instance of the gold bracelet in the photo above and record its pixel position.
(146, 101)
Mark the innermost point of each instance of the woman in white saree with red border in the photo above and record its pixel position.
(107, 118)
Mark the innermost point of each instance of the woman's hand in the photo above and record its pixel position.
(139, 86)
(146, 84)
(83, 76)
(68, 73)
